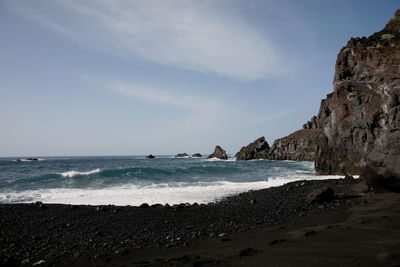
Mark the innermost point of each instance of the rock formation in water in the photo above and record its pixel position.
(181, 155)
(218, 153)
(259, 149)
(360, 120)
(150, 156)
(28, 159)
(300, 145)
(197, 155)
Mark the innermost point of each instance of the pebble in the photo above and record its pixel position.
(38, 262)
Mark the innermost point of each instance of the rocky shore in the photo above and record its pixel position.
(51, 234)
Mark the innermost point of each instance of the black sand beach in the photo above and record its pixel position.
(271, 227)
(60, 100)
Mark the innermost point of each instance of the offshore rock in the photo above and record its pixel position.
(259, 149)
(197, 155)
(218, 153)
(181, 155)
(300, 145)
(360, 120)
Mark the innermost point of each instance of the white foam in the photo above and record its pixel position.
(27, 160)
(75, 173)
(156, 193)
(217, 159)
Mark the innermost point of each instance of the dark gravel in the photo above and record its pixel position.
(52, 234)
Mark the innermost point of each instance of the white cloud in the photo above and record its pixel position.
(204, 36)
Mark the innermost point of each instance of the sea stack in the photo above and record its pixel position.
(259, 149)
(218, 153)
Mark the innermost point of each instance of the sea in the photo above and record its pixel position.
(133, 180)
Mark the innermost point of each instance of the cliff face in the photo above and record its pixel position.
(360, 120)
(357, 129)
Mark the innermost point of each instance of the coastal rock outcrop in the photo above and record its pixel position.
(360, 121)
(197, 155)
(258, 149)
(218, 153)
(300, 145)
(181, 155)
(150, 156)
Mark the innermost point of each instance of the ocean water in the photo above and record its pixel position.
(133, 180)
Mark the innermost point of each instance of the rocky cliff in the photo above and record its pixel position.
(300, 145)
(357, 129)
(360, 120)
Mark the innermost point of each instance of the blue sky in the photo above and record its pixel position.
(119, 77)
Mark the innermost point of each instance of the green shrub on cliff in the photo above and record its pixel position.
(387, 36)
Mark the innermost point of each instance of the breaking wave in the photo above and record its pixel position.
(75, 173)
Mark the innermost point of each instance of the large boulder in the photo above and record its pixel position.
(257, 150)
(218, 153)
(321, 195)
(360, 120)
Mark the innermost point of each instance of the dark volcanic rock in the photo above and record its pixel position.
(197, 155)
(321, 195)
(360, 120)
(28, 159)
(218, 153)
(257, 150)
(150, 156)
(300, 145)
(357, 129)
(181, 155)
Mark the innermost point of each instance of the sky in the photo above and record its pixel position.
(133, 77)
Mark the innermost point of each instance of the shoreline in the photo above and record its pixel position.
(58, 234)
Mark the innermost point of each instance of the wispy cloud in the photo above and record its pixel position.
(203, 36)
(167, 97)
(202, 113)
